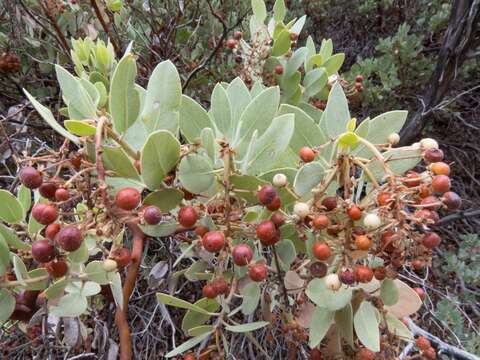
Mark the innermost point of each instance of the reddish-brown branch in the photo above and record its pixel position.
(99, 15)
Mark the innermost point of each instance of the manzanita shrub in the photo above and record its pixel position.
(293, 219)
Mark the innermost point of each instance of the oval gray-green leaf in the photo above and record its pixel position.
(389, 292)
(164, 199)
(187, 345)
(322, 296)
(308, 177)
(116, 159)
(336, 114)
(11, 210)
(7, 305)
(246, 327)
(193, 118)
(366, 326)
(194, 318)
(196, 173)
(251, 297)
(322, 319)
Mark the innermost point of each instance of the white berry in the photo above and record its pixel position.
(109, 265)
(332, 282)
(428, 143)
(372, 221)
(393, 138)
(280, 180)
(301, 210)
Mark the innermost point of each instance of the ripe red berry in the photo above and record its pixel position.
(267, 232)
(30, 177)
(209, 292)
(69, 238)
(187, 216)
(122, 257)
(441, 184)
(362, 242)
(318, 269)
(278, 219)
(220, 285)
(258, 272)
(44, 214)
(237, 35)
(354, 213)
(422, 343)
(330, 203)
(321, 250)
(293, 36)
(307, 154)
(433, 156)
(363, 274)
(365, 354)
(128, 198)
(421, 294)
(266, 194)
(431, 240)
(201, 230)
(380, 273)
(62, 195)
(384, 198)
(275, 204)
(51, 230)
(47, 190)
(57, 268)
(430, 202)
(412, 179)
(321, 222)
(76, 161)
(152, 215)
(242, 254)
(213, 241)
(189, 357)
(315, 354)
(347, 276)
(430, 353)
(452, 200)
(440, 168)
(359, 78)
(231, 44)
(279, 69)
(43, 251)
(358, 87)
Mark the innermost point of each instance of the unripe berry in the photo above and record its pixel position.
(62, 195)
(301, 210)
(431, 240)
(242, 254)
(332, 282)
(237, 35)
(52, 230)
(279, 69)
(433, 156)
(452, 200)
(441, 184)
(430, 353)
(231, 44)
(321, 250)
(307, 154)
(280, 180)
(43, 251)
(266, 194)
(44, 214)
(275, 204)
(422, 343)
(278, 219)
(187, 216)
(128, 198)
(47, 190)
(318, 269)
(363, 274)
(57, 268)
(428, 143)
(258, 272)
(209, 292)
(109, 265)
(122, 257)
(362, 242)
(30, 177)
(321, 222)
(440, 168)
(347, 277)
(220, 286)
(421, 294)
(266, 232)
(354, 212)
(393, 138)
(152, 215)
(213, 241)
(372, 221)
(330, 203)
(69, 238)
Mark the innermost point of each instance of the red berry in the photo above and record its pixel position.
(30, 177)
(76, 161)
(358, 87)
(122, 257)
(363, 273)
(52, 230)
(330, 203)
(433, 156)
(359, 78)
(213, 241)
(152, 215)
(431, 202)
(44, 214)
(237, 35)
(209, 292)
(354, 213)
(293, 36)
(201, 230)
(258, 272)
(278, 219)
(380, 273)
(43, 251)
(242, 254)
(422, 343)
(318, 269)
(279, 69)
(266, 232)
(62, 195)
(128, 198)
(231, 44)
(57, 268)
(452, 200)
(430, 353)
(315, 354)
(321, 222)
(187, 216)
(275, 204)
(69, 238)
(347, 277)
(220, 285)
(362, 242)
(189, 357)
(307, 154)
(420, 293)
(266, 194)
(365, 354)
(384, 198)
(441, 184)
(321, 250)
(431, 240)
(412, 179)
(440, 168)
(47, 190)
